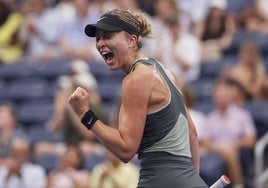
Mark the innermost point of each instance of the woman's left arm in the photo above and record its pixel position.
(194, 143)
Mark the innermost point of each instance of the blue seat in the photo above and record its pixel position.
(243, 36)
(265, 62)
(204, 106)
(35, 112)
(17, 71)
(99, 69)
(48, 161)
(210, 70)
(212, 167)
(102, 72)
(259, 111)
(52, 70)
(3, 90)
(203, 88)
(91, 160)
(109, 92)
(40, 134)
(27, 89)
(237, 6)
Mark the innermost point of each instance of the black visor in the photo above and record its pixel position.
(108, 22)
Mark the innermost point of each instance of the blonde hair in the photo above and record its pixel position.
(251, 47)
(136, 19)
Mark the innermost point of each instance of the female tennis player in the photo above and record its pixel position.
(153, 120)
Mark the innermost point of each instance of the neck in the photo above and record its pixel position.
(138, 55)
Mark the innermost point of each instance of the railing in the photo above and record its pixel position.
(261, 173)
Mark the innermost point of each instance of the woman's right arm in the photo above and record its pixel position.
(124, 141)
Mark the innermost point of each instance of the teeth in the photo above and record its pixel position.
(105, 53)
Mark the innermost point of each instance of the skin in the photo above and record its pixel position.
(143, 90)
(230, 153)
(69, 166)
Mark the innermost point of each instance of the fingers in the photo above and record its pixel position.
(79, 92)
(79, 100)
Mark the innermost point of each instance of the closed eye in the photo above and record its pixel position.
(104, 35)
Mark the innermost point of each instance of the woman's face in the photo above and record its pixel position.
(248, 55)
(114, 47)
(71, 158)
(222, 96)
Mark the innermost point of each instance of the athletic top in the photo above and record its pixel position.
(166, 129)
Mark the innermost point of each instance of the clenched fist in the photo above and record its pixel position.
(79, 101)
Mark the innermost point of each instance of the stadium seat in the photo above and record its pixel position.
(204, 106)
(259, 111)
(102, 72)
(48, 161)
(109, 92)
(210, 70)
(25, 89)
(241, 37)
(39, 134)
(212, 167)
(265, 62)
(52, 70)
(35, 112)
(91, 160)
(237, 6)
(3, 90)
(203, 88)
(99, 69)
(17, 70)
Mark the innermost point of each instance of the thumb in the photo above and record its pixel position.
(83, 92)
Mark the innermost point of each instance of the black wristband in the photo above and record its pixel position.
(89, 119)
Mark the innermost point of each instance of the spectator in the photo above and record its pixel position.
(11, 47)
(147, 6)
(264, 92)
(64, 119)
(41, 31)
(229, 129)
(9, 130)
(160, 33)
(113, 173)
(246, 77)
(192, 14)
(17, 170)
(217, 30)
(253, 17)
(72, 43)
(165, 9)
(185, 66)
(124, 5)
(211, 164)
(258, 22)
(69, 173)
(80, 76)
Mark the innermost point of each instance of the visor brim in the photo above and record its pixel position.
(90, 29)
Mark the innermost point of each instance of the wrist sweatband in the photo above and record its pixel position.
(89, 119)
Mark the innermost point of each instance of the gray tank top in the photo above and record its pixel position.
(166, 129)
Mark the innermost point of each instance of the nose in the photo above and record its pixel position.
(100, 42)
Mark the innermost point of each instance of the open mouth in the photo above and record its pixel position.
(108, 56)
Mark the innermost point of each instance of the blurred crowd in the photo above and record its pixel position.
(218, 49)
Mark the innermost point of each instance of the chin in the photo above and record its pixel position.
(113, 68)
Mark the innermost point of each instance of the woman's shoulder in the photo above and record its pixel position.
(142, 79)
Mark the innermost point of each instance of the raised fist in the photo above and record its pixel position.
(79, 101)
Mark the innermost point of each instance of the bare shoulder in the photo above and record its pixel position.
(137, 89)
(141, 78)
